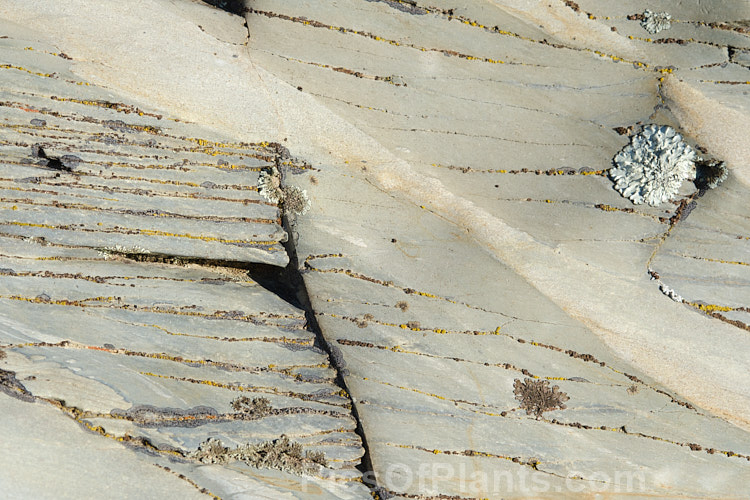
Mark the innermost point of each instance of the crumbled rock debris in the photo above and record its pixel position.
(108, 252)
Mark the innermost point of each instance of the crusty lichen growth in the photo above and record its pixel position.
(269, 185)
(2, 354)
(211, 451)
(536, 396)
(652, 167)
(281, 454)
(654, 22)
(108, 252)
(294, 201)
(255, 408)
(291, 199)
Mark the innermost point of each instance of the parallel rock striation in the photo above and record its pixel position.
(129, 318)
(461, 236)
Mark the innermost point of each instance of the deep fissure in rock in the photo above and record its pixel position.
(292, 280)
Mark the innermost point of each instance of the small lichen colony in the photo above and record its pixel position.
(291, 199)
(654, 22)
(255, 408)
(295, 200)
(652, 167)
(269, 185)
(536, 396)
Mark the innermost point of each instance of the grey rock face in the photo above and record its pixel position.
(127, 307)
(463, 249)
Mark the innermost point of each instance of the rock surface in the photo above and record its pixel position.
(463, 235)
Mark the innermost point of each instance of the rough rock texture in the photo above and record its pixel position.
(462, 235)
(82, 168)
(130, 320)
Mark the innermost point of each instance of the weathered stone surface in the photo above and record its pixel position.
(706, 258)
(431, 334)
(127, 305)
(47, 455)
(463, 235)
(81, 168)
(158, 352)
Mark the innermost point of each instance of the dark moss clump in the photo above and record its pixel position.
(710, 173)
(281, 454)
(536, 396)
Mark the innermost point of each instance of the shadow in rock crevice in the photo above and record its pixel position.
(236, 7)
(293, 280)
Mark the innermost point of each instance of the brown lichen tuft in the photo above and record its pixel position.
(536, 396)
(317, 457)
(255, 408)
(361, 323)
(403, 305)
(572, 5)
(2, 354)
(633, 389)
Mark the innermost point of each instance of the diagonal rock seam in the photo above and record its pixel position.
(289, 285)
(291, 279)
(520, 251)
